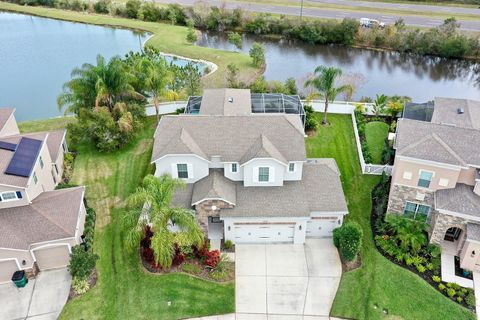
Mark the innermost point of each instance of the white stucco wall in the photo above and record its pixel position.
(235, 176)
(10, 128)
(296, 175)
(197, 167)
(44, 175)
(13, 203)
(250, 173)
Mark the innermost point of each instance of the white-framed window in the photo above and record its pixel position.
(291, 167)
(443, 182)
(41, 162)
(407, 175)
(263, 174)
(35, 179)
(425, 179)
(234, 167)
(10, 196)
(416, 211)
(182, 170)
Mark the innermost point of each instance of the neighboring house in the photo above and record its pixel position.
(436, 177)
(38, 224)
(247, 175)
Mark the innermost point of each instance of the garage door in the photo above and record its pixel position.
(7, 268)
(320, 227)
(52, 257)
(264, 233)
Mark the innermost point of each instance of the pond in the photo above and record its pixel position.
(37, 56)
(373, 72)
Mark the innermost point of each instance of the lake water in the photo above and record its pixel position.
(421, 78)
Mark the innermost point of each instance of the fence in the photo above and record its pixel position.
(340, 107)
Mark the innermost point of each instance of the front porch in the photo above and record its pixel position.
(215, 232)
(453, 273)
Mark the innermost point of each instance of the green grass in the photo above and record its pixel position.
(375, 133)
(44, 125)
(166, 38)
(124, 290)
(378, 281)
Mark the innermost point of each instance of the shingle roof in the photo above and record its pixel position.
(262, 148)
(52, 215)
(228, 102)
(460, 199)
(214, 186)
(231, 136)
(437, 142)
(473, 231)
(5, 114)
(445, 111)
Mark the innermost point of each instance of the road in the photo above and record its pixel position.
(335, 13)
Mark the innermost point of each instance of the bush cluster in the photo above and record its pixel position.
(348, 239)
(82, 262)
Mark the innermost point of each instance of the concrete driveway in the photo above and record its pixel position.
(43, 298)
(286, 281)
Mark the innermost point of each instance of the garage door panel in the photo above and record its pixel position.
(264, 233)
(7, 268)
(320, 227)
(52, 257)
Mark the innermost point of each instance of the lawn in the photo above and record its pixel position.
(124, 290)
(378, 282)
(166, 38)
(375, 133)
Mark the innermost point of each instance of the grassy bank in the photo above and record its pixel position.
(124, 290)
(378, 282)
(166, 38)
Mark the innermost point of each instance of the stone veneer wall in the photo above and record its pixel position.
(443, 222)
(399, 194)
(204, 210)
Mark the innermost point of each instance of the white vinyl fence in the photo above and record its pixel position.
(340, 107)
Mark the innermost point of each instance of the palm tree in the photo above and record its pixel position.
(410, 233)
(324, 82)
(379, 104)
(151, 205)
(103, 84)
(158, 76)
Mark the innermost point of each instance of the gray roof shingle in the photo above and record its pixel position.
(214, 186)
(445, 112)
(227, 102)
(460, 199)
(52, 215)
(5, 114)
(231, 137)
(438, 142)
(473, 231)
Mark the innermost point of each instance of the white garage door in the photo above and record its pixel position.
(52, 257)
(319, 227)
(264, 233)
(7, 268)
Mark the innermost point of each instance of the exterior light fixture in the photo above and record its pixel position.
(300, 227)
(214, 208)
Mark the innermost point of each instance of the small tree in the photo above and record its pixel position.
(191, 35)
(232, 74)
(132, 7)
(348, 239)
(235, 39)
(82, 262)
(394, 107)
(257, 53)
(379, 104)
(192, 79)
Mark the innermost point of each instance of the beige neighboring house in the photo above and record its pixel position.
(38, 224)
(248, 178)
(436, 178)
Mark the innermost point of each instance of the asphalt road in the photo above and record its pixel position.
(388, 18)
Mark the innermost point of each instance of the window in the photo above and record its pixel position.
(407, 175)
(8, 196)
(291, 167)
(234, 167)
(425, 179)
(41, 162)
(416, 211)
(263, 174)
(182, 170)
(35, 179)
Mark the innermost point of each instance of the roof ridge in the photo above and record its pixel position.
(450, 150)
(48, 218)
(439, 124)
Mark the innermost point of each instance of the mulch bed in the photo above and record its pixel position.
(351, 265)
(92, 281)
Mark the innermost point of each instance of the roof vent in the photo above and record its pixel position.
(460, 111)
(230, 100)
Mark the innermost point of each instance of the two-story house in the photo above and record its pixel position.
(38, 224)
(436, 178)
(247, 175)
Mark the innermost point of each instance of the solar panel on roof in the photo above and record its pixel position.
(24, 158)
(8, 146)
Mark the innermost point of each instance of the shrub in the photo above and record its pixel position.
(149, 12)
(191, 35)
(420, 268)
(132, 8)
(187, 251)
(80, 286)
(459, 299)
(441, 286)
(257, 53)
(212, 259)
(470, 300)
(311, 122)
(348, 238)
(82, 262)
(235, 39)
(451, 292)
(436, 279)
(454, 286)
(101, 6)
(228, 244)
(191, 268)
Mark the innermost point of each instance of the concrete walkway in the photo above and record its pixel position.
(42, 298)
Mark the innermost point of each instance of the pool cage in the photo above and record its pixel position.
(418, 111)
(261, 103)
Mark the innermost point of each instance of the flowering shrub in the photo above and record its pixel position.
(348, 239)
(212, 258)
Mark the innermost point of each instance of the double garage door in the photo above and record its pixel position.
(52, 257)
(264, 232)
(320, 227)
